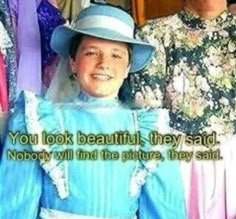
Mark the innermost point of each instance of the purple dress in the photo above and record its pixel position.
(49, 17)
(31, 43)
(28, 44)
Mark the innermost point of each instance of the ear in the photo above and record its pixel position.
(72, 65)
(127, 71)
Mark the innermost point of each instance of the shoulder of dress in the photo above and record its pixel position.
(163, 21)
(161, 26)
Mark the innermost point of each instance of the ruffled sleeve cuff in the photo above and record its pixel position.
(149, 121)
(153, 122)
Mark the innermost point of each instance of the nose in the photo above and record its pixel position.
(104, 61)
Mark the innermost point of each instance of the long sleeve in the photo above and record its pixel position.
(20, 180)
(162, 194)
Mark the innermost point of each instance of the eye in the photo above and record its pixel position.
(116, 56)
(91, 53)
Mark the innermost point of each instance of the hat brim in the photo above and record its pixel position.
(141, 51)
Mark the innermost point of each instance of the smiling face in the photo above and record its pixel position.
(101, 66)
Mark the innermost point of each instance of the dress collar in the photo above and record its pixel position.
(100, 101)
(193, 21)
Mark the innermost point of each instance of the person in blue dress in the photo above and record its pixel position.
(90, 157)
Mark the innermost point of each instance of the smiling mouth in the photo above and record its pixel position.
(101, 77)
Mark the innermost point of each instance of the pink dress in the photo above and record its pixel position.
(5, 43)
(3, 86)
(210, 190)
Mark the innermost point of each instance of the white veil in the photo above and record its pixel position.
(64, 85)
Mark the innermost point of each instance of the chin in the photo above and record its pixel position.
(99, 94)
(104, 95)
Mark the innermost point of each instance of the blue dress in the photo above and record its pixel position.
(75, 186)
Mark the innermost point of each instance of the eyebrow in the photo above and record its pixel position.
(94, 47)
(120, 50)
(88, 47)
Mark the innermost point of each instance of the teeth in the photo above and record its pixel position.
(101, 77)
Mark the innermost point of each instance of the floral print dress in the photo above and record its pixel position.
(193, 74)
